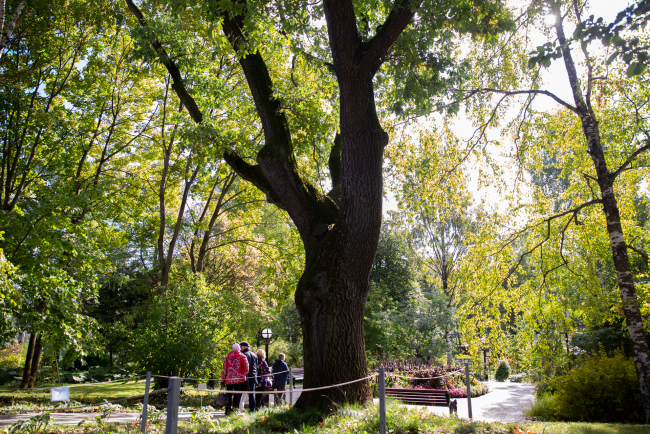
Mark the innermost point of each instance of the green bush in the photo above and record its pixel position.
(542, 408)
(13, 357)
(603, 389)
(503, 371)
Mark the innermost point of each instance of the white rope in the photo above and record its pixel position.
(216, 379)
(283, 391)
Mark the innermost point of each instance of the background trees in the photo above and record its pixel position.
(175, 160)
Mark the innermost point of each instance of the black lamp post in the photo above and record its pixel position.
(485, 351)
(267, 334)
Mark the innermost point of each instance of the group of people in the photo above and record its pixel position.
(245, 371)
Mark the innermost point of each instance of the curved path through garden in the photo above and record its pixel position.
(505, 402)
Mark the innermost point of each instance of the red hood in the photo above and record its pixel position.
(233, 354)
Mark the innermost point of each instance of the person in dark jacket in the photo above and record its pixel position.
(280, 376)
(253, 363)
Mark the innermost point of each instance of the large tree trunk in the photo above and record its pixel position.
(631, 309)
(339, 230)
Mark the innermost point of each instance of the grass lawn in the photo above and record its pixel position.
(86, 394)
(587, 428)
(354, 419)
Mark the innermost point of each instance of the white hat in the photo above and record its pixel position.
(235, 347)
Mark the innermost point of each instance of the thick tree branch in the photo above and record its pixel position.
(277, 175)
(370, 53)
(178, 84)
(253, 174)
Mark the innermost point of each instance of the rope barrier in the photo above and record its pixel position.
(77, 385)
(216, 379)
(98, 404)
(242, 392)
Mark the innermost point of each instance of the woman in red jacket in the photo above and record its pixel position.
(233, 375)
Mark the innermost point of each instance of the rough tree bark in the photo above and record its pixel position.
(339, 230)
(605, 178)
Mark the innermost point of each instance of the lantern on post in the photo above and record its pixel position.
(267, 334)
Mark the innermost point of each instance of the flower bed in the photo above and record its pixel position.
(432, 377)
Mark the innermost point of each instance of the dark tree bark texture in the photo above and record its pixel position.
(339, 230)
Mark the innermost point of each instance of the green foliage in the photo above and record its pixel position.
(96, 374)
(608, 337)
(33, 425)
(503, 371)
(542, 407)
(620, 35)
(402, 318)
(13, 356)
(186, 329)
(291, 350)
(603, 389)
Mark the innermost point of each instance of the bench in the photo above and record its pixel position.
(298, 374)
(428, 397)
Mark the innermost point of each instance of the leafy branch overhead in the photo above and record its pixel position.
(630, 50)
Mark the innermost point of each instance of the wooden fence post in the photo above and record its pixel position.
(173, 400)
(145, 403)
(382, 401)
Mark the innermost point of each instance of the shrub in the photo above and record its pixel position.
(503, 371)
(96, 374)
(542, 408)
(13, 357)
(602, 382)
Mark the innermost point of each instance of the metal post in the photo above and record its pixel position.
(485, 366)
(57, 354)
(382, 401)
(469, 391)
(290, 386)
(145, 403)
(173, 399)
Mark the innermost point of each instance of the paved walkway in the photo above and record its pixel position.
(504, 402)
(75, 418)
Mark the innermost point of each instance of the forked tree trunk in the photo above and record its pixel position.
(36, 360)
(340, 229)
